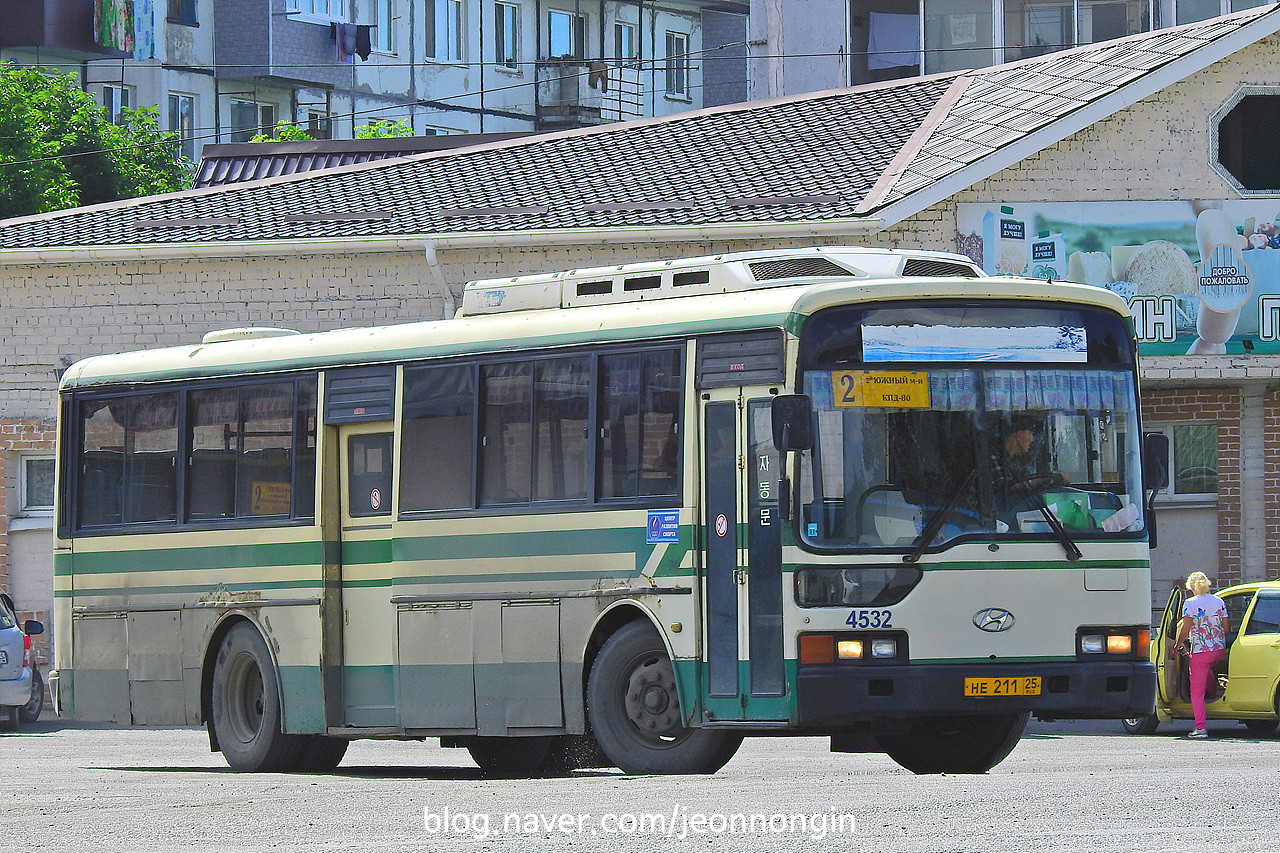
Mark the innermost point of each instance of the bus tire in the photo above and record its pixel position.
(1143, 725)
(955, 744)
(510, 756)
(1261, 727)
(635, 714)
(246, 716)
(321, 753)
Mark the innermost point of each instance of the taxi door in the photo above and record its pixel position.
(1169, 671)
(1254, 664)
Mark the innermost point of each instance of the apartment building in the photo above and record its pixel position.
(224, 70)
(891, 39)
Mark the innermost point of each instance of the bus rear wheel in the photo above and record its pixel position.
(635, 714)
(955, 744)
(510, 756)
(246, 718)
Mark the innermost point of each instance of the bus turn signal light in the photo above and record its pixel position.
(817, 648)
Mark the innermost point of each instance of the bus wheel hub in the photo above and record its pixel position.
(651, 699)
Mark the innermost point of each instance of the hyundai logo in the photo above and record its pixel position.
(993, 619)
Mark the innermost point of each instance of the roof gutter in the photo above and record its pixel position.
(652, 235)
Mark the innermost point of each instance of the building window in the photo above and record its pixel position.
(330, 10)
(677, 65)
(182, 111)
(319, 125)
(506, 23)
(36, 475)
(384, 26)
(450, 32)
(182, 12)
(115, 100)
(624, 41)
(1244, 140)
(249, 119)
(1194, 466)
(567, 35)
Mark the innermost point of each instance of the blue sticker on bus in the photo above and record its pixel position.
(664, 526)
(813, 530)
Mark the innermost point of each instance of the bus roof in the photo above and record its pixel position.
(783, 304)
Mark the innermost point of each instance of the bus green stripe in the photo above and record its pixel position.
(266, 554)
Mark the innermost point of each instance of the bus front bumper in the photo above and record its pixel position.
(839, 695)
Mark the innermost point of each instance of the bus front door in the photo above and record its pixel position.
(745, 673)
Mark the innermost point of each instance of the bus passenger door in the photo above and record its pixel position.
(367, 498)
(743, 559)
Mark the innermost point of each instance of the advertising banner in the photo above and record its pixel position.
(1201, 277)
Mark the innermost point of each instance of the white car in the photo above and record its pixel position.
(21, 686)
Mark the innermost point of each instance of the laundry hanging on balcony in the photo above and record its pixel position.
(113, 24)
(352, 40)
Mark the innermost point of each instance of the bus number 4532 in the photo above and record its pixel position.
(869, 619)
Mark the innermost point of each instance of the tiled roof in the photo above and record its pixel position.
(996, 106)
(238, 162)
(837, 155)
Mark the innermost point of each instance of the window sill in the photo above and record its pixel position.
(31, 522)
(182, 23)
(510, 72)
(679, 99)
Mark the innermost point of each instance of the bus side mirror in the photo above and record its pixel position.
(1155, 475)
(792, 422)
(1155, 461)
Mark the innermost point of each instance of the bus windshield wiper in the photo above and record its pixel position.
(935, 523)
(1055, 524)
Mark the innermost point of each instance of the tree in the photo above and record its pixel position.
(283, 132)
(383, 129)
(58, 150)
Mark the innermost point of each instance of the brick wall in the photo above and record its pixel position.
(1222, 406)
(17, 436)
(1271, 481)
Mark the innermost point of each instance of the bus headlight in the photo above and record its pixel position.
(1130, 642)
(851, 649)
(1092, 644)
(884, 648)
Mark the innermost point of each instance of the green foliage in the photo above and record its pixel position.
(383, 129)
(57, 150)
(284, 131)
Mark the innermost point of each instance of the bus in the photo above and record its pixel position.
(621, 516)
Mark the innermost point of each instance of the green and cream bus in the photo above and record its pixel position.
(620, 516)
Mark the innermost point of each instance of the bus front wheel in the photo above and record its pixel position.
(635, 713)
(955, 744)
(246, 716)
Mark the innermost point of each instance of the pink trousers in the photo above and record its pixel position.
(1201, 663)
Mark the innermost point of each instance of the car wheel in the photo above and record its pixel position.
(635, 714)
(955, 744)
(30, 712)
(246, 716)
(1261, 727)
(510, 756)
(1144, 725)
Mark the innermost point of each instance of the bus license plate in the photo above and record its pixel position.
(1027, 685)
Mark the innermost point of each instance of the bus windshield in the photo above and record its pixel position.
(940, 423)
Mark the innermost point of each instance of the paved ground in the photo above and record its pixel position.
(1067, 787)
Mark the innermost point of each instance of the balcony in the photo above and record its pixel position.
(576, 92)
(63, 27)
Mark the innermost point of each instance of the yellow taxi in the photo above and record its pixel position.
(1244, 686)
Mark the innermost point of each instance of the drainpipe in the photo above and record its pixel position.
(437, 275)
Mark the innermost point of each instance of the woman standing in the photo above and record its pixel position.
(1203, 633)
